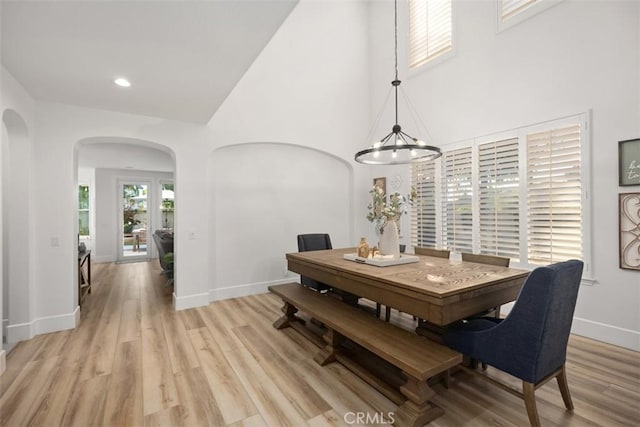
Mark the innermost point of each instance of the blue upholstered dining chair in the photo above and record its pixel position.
(531, 342)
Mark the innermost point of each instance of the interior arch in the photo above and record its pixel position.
(104, 161)
(15, 227)
(287, 189)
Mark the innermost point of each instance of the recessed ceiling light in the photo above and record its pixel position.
(122, 82)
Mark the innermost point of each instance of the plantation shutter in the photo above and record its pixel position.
(430, 30)
(499, 194)
(509, 8)
(457, 193)
(423, 213)
(554, 196)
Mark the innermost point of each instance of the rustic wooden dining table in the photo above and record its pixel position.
(440, 291)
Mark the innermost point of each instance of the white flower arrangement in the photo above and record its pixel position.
(381, 212)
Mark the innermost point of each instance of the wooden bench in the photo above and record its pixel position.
(415, 356)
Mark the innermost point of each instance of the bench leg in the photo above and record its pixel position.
(328, 353)
(417, 410)
(289, 311)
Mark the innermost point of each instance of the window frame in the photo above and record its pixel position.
(538, 6)
(87, 210)
(436, 59)
(584, 121)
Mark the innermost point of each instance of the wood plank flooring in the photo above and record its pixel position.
(133, 361)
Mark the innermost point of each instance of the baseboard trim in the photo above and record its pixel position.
(190, 301)
(606, 333)
(76, 315)
(20, 332)
(62, 322)
(103, 258)
(610, 334)
(244, 290)
(43, 325)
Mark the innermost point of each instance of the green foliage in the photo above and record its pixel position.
(168, 259)
(83, 210)
(381, 211)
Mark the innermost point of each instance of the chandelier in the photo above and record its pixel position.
(397, 147)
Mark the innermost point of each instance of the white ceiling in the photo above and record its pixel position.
(182, 57)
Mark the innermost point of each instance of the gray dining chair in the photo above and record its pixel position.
(489, 260)
(314, 242)
(438, 253)
(531, 342)
(317, 242)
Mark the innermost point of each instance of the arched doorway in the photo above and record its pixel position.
(16, 163)
(126, 192)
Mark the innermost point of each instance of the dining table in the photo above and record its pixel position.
(438, 291)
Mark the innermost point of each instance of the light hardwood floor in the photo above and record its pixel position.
(133, 361)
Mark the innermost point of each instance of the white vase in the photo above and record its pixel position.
(389, 240)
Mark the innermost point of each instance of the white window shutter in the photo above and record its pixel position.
(509, 8)
(498, 197)
(423, 212)
(554, 196)
(430, 30)
(457, 194)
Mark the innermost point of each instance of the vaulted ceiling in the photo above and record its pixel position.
(182, 57)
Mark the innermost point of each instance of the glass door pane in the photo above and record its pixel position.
(135, 220)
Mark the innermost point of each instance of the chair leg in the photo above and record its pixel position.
(497, 312)
(564, 388)
(528, 390)
(378, 308)
(387, 314)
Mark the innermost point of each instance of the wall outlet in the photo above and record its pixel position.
(191, 235)
(55, 242)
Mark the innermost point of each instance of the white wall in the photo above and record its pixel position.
(61, 129)
(574, 57)
(3, 137)
(307, 89)
(284, 141)
(265, 195)
(314, 86)
(18, 124)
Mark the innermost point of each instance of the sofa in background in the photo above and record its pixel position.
(164, 242)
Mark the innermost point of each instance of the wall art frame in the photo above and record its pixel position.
(629, 226)
(629, 162)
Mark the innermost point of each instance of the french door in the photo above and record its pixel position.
(134, 220)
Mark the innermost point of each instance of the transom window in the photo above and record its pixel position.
(430, 30)
(512, 12)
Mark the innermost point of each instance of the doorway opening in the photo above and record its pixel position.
(136, 197)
